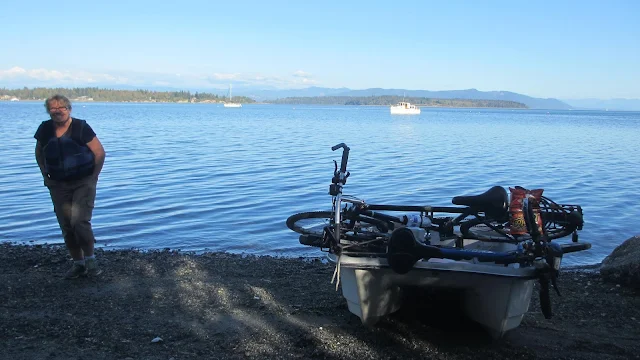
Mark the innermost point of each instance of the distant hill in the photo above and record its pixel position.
(274, 94)
(470, 94)
(386, 100)
(599, 104)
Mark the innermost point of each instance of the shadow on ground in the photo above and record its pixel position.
(223, 306)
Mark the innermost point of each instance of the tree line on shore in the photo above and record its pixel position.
(386, 100)
(113, 95)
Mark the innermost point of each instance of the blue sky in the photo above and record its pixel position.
(561, 49)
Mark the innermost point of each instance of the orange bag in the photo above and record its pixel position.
(516, 216)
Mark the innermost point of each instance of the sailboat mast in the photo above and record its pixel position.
(230, 103)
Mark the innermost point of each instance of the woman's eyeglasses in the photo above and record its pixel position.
(58, 109)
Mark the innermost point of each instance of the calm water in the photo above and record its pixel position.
(199, 176)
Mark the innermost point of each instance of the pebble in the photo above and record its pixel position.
(156, 339)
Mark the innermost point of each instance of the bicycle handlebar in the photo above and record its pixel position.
(336, 147)
(345, 156)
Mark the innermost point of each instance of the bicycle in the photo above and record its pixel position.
(360, 229)
(482, 217)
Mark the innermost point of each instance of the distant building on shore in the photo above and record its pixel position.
(8, 97)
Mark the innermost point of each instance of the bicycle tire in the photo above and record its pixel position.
(294, 222)
(476, 229)
(321, 219)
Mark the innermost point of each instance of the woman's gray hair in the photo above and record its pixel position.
(59, 98)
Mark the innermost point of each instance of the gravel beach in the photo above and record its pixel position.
(173, 305)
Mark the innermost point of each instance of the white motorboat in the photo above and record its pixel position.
(404, 108)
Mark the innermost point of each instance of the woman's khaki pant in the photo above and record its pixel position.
(73, 203)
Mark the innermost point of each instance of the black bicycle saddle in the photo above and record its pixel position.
(494, 201)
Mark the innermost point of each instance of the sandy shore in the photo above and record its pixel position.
(222, 306)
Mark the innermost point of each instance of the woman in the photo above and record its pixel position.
(70, 158)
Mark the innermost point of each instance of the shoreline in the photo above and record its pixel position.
(263, 103)
(74, 101)
(205, 251)
(227, 306)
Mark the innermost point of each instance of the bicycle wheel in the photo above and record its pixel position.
(555, 224)
(310, 223)
(480, 231)
(314, 222)
(491, 231)
(561, 223)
